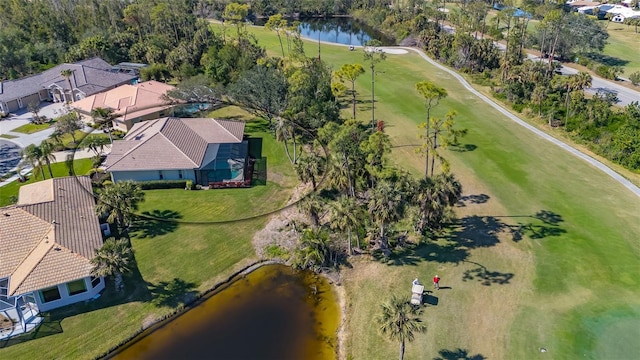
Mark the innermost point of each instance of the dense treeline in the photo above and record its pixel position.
(38, 34)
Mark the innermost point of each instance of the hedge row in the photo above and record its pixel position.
(163, 184)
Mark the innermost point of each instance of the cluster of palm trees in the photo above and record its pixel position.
(358, 195)
(39, 157)
(117, 203)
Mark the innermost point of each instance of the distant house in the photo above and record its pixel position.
(206, 151)
(46, 242)
(87, 78)
(131, 103)
(620, 13)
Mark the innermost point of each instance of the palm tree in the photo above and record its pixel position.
(104, 118)
(576, 82)
(313, 206)
(309, 167)
(283, 133)
(346, 215)
(46, 154)
(33, 155)
(385, 206)
(399, 321)
(67, 73)
(95, 144)
(114, 258)
(119, 201)
(313, 251)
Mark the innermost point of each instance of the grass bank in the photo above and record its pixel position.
(541, 235)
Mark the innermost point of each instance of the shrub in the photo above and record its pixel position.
(188, 185)
(163, 184)
(635, 78)
(275, 251)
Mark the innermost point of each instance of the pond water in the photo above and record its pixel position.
(340, 30)
(9, 156)
(271, 313)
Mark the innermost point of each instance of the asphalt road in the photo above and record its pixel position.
(625, 95)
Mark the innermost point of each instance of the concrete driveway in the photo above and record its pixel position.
(50, 110)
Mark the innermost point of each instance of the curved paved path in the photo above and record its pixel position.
(619, 178)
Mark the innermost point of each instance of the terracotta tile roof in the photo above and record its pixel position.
(182, 143)
(156, 153)
(20, 232)
(44, 241)
(73, 210)
(128, 101)
(217, 131)
(59, 265)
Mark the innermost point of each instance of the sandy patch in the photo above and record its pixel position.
(388, 50)
(394, 51)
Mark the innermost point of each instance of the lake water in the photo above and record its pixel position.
(340, 30)
(271, 313)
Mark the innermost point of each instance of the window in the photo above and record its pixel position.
(95, 281)
(50, 294)
(179, 174)
(160, 174)
(4, 288)
(76, 287)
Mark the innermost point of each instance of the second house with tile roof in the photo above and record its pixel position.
(206, 151)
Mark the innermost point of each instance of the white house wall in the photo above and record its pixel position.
(187, 174)
(66, 299)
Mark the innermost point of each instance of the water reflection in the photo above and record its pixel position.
(340, 30)
(272, 313)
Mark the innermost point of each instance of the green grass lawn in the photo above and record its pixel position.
(547, 289)
(80, 167)
(7, 136)
(199, 255)
(624, 44)
(31, 128)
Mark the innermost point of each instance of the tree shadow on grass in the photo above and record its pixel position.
(154, 223)
(473, 232)
(172, 293)
(463, 147)
(473, 199)
(412, 254)
(458, 354)
(477, 231)
(257, 126)
(485, 276)
(534, 230)
(607, 60)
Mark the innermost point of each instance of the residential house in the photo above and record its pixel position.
(88, 77)
(620, 13)
(46, 243)
(130, 103)
(206, 151)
